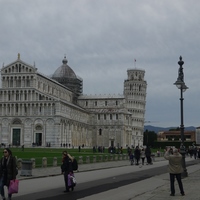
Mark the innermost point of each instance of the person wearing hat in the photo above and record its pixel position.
(175, 169)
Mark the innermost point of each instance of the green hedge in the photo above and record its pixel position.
(162, 145)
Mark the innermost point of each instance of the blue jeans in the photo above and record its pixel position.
(2, 187)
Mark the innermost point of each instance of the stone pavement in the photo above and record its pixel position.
(155, 188)
(54, 171)
(191, 186)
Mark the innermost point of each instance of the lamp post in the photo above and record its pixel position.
(181, 85)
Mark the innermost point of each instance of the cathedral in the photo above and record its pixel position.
(36, 109)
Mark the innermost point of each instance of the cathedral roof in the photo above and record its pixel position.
(64, 71)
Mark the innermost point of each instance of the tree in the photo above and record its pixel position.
(175, 129)
(149, 138)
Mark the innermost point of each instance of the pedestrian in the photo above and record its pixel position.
(191, 152)
(67, 169)
(158, 153)
(148, 155)
(195, 153)
(142, 155)
(8, 167)
(131, 156)
(198, 152)
(137, 155)
(175, 169)
(23, 147)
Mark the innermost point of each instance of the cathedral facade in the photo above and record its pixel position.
(52, 111)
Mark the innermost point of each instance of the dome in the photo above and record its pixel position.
(66, 76)
(64, 71)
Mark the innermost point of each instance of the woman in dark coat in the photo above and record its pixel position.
(66, 169)
(7, 171)
(137, 155)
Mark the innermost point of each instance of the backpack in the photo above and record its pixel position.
(74, 164)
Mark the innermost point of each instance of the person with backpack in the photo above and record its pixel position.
(8, 171)
(67, 170)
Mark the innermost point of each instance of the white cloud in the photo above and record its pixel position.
(102, 38)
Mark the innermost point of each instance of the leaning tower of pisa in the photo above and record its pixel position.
(135, 96)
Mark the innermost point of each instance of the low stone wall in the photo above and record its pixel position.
(88, 159)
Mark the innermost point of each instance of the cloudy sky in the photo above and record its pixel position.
(101, 39)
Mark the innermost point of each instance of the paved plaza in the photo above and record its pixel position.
(154, 188)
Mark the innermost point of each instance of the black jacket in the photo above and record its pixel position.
(66, 165)
(9, 170)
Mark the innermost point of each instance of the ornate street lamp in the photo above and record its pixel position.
(181, 85)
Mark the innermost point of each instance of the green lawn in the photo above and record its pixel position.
(39, 153)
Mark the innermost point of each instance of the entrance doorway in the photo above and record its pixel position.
(16, 132)
(38, 139)
(112, 143)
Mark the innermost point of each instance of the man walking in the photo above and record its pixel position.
(175, 169)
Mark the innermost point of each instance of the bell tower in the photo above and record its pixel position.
(135, 96)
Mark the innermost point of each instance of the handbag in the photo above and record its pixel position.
(73, 180)
(13, 186)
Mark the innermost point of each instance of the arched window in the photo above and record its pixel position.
(100, 131)
(38, 127)
(17, 121)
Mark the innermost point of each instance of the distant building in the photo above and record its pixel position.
(198, 135)
(176, 136)
(43, 111)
